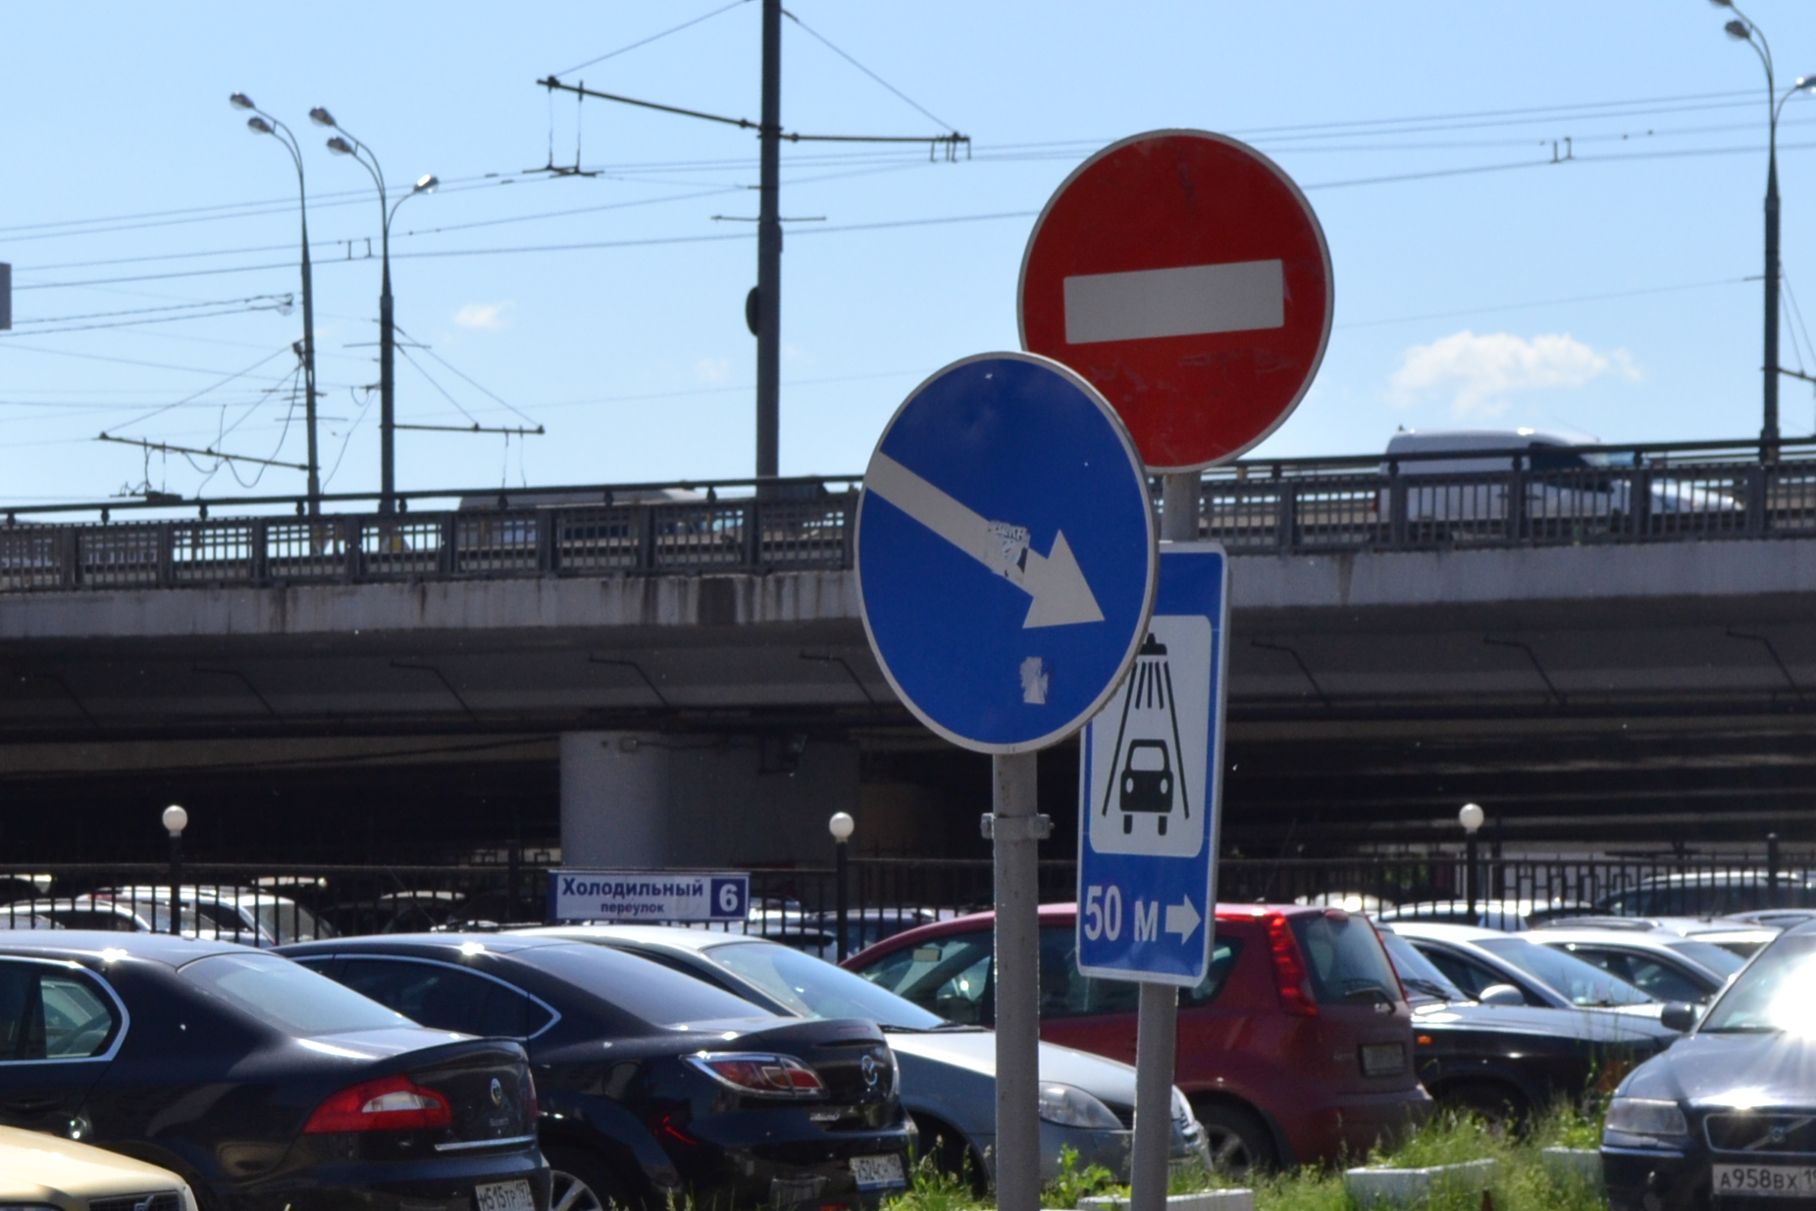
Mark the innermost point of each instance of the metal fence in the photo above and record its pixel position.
(1528, 496)
(270, 905)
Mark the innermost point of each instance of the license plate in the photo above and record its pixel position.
(874, 1172)
(1383, 1059)
(504, 1196)
(1764, 1181)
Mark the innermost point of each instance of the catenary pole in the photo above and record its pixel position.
(769, 249)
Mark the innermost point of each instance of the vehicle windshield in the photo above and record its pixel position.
(815, 988)
(1418, 973)
(288, 995)
(1721, 962)
(640, 987)
(1775, 993)
(1578, 982)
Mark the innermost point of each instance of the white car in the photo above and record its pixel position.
(1510, 969)
(1661, 964)
(49, 1173)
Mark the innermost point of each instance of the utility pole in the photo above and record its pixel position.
(769, 249)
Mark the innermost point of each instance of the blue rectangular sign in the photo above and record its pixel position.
(1151, 785)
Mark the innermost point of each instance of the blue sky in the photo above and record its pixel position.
(1478, 283)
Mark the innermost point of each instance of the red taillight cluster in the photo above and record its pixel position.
(761, 1074)
(1290, 976)
(392, 1103)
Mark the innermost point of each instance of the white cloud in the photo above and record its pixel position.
(483, 315)
(714, 370)
(1479, 372)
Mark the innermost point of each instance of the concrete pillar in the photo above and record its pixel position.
(614, 800)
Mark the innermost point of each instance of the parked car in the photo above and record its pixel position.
(1508, 916)
(1663, 965)
(102, 913)
(1087, 1102)
(1296, 1048)
(240, 914)
(654, 1085)
(1741, 934)
(1510, 969)
(1512, 1061)
(866, 927)
(40, 1172)
(1728, 1115)
(1711, 893)
(258, 1082)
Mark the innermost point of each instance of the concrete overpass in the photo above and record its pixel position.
(710, 697)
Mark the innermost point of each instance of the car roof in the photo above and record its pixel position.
(677, 936)
(1641, 939)
(1443, 931)
(95, 943)
(466, 943)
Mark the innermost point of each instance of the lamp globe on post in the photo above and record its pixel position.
(175, 821)
(1471, 817)
(841, 826)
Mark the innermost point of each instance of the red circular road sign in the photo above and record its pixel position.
(1186, 277)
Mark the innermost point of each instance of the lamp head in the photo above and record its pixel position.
(175, 820)
(340, 146)
(1804, 84)
(321, 117)
(241, 101)
(1740, 31)
(1471, 816)
(1722, 3)
(259, 126)
(427, 184)
(841, 826)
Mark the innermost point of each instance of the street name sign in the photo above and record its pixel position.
(1186, 277)
(1151, 786)
(648, 895)
(1005, 552)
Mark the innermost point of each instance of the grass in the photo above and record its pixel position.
(1521, 1182)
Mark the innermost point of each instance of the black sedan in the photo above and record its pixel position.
(1510, 1061)
(654, 1085)
(1728, 1115)
(261, 1083)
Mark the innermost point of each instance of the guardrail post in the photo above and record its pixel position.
(1288, 496)
(548, 556)
(848, 528)
(1516, 501)
(646, 538)
(1756, 499)
(1639, 502)
(447, 551)
(69, 554)
(354, 554)
(167, 563)
(1396, 506)
(753, 536)
(257, 562)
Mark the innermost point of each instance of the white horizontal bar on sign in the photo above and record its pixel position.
(1191, 300)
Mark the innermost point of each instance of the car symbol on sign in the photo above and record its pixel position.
(1147, 783)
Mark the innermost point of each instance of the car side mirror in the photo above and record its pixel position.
(1678, 1015)
(1502, 994)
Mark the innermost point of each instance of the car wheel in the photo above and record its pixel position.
(1239, 1143)
(579, 1182)
(1499, 1106)
(951, 1153)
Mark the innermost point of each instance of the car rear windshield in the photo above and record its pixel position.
(815, 988)
(647, 991)
(1578, 982)
(287, 995)
(1345, 958)
(1775, 993)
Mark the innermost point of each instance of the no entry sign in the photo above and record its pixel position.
(1184, 276)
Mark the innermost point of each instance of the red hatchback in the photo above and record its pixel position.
(1295, 1049)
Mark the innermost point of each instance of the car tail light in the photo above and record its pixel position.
(1290, 976)
(392, 1103)
(762, 1074)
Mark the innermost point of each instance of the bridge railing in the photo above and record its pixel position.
(1423, 501)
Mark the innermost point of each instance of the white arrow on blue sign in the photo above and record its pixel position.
(1150, 786)
(1005, 552)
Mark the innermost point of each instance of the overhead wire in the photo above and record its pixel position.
(612, 54)
(823, 40)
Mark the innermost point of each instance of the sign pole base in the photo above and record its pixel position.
(1016, 830)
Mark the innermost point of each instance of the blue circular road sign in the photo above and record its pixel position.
(1005, 552)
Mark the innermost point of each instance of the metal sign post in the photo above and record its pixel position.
(1005, 565)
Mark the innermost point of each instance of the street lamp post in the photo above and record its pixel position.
(175, 821)
(344, 144)
(1742, 29)
(841, 825)
(1470, 816)
(264, 124)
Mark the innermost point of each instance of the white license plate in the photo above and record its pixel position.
(874, 1172)
(1764, 1181)
(504, 1196)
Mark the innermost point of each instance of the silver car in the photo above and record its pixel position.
(1087, 1102)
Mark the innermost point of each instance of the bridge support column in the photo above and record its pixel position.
(614, 800)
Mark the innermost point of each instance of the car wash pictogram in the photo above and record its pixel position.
(1147, 739)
